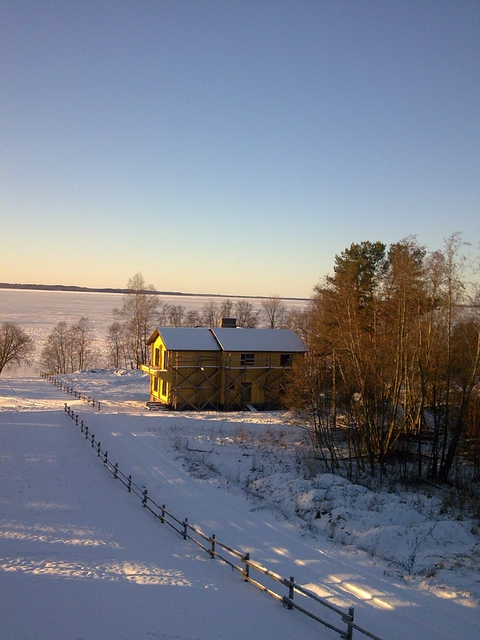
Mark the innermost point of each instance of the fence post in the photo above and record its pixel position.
(105, 458)
(98, 402)
(291, 591)
(93, 440)
(145, 498)
(162, 517)
(185, 525)
(212, 550)
(65, 409)
(129, 486)
(246, 573)
(348, 619)
(86, 432)
(115, 471)
(98, 450)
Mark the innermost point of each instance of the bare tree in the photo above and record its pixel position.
(15, 345)
(465, 376)
(275, 312)
(193, 319)
(120, 348)
(176, 314)
(138, 314)
(211, 314)
(247, 317)
(299, 320)
(82, 344)
(226, 309)
(57, 350)
(115, 344)
(163, 314)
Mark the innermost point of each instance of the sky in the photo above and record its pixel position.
(232, 146)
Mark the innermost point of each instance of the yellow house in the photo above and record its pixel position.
(220, 368)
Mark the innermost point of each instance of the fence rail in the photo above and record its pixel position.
(237, 560)
(68, 389)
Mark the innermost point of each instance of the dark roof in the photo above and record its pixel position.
(186, 339)
(217, 338)
(284, 340)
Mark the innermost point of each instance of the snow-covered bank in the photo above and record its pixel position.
(203, 465)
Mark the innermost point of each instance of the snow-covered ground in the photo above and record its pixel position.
(80, 558)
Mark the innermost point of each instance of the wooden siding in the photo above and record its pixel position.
(216, 379)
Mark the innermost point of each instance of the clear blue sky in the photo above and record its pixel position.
(232, 146)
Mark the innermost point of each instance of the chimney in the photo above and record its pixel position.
(229, 323)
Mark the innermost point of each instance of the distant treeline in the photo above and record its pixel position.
(64, 287)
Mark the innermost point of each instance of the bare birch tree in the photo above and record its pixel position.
(138, 315)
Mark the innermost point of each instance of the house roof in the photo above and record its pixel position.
(186, 339)
(284, 340)
(217, 338)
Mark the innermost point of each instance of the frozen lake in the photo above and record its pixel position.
(39, 311)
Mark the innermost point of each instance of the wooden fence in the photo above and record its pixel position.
(237, 560)
(68, 389)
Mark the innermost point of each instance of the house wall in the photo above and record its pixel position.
(194, 379)
(254, 378)
(216, 379)
(158, 375)
(183, 379)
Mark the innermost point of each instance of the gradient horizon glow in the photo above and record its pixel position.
(232, 147)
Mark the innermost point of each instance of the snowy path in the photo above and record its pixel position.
(395, 611)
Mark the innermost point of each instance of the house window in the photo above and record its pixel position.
(155, 384)
(247, 359)
(164, 387)
(157, 357)
(286, 359)
(165, 359)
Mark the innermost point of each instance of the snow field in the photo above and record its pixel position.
(238, 476)
(80, 558)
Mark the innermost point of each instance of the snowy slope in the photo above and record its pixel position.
(80, 558)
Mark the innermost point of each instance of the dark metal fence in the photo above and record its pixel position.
(237, 560)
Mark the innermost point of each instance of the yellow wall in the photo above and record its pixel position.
(215, 379)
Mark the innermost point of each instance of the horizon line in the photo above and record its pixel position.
(123, 290)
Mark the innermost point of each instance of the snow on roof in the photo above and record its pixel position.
(215, 339)
(246, 340)
(188, 339)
